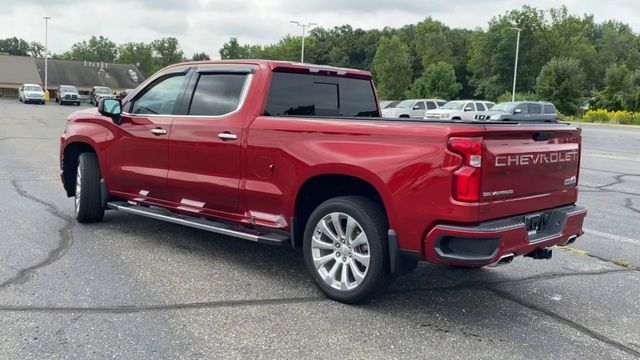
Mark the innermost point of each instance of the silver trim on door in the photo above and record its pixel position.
(227, 136)
(158, 131)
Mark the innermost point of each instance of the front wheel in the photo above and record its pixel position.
(345, 248)
(88, 200)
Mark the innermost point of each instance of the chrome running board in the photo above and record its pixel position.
(261, 237)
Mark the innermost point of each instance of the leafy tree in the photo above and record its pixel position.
(140, 54)
(36, 49)
(561, 81)
(437, 81)
(19, 47)
(200, 56)
(95, 49)
(392, 68)
(432, 45)
(233, 50)
(617, 84)
(167, 51)
(528, 96)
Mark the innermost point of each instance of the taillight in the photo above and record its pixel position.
(466, 179)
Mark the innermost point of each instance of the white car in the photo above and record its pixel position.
(413, 108)
(31, 93)
(460, 110)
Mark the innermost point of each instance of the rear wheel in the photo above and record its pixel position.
(345, 248)
(88, 200)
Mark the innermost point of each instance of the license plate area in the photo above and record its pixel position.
(537, 223)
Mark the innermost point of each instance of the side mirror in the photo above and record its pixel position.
(468, 109)
(517, 111)
(416, 107)
(111, 108)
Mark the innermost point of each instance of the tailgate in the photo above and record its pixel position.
(528, 168)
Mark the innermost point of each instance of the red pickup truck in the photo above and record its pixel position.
(287, 153)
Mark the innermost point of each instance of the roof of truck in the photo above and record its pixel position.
(292, 66)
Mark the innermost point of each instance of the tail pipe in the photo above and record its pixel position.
(569, 241)
(504, 260)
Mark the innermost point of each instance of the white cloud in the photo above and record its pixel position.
(204, 25)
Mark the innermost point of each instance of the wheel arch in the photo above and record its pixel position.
(323, 184)
(71, 153)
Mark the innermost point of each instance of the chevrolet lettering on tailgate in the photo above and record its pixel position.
(534, 159)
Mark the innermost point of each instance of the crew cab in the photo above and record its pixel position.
(283, 153)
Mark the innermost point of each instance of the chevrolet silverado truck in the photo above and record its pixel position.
(283, 153)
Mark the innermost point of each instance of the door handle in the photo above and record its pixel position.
(158, 131)
(227, 136)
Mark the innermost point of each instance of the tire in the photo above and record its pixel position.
(331, 256)
(88, 200)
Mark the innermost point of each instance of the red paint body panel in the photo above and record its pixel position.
(256, 178)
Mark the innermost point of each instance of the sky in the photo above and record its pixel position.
(204, 25)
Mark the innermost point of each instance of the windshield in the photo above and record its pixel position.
(32, 88)
(504, 107)
(453, 105)
(103, 90)
(68, 88)
(405, 104)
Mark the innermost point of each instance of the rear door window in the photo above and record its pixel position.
(217, 94)
(534, 108)
(294, 94)
(480, 106)
(431, 105)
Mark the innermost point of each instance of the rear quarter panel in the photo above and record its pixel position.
(407, 162)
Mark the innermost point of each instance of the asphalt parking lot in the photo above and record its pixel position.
(132, 287)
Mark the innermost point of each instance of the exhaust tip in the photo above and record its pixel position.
(569, 241)
(504, 260)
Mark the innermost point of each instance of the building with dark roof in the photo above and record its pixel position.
(15, 71)
(85, 74)
(18, 70)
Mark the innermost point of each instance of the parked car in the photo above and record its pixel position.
(413, 108)
(523, 111)
(100, 92)
(302, 158)
(31, 93)
(388, 103)
(459, 110)
(67, 94)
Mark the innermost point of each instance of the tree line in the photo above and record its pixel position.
(567, 59)
(149, 57)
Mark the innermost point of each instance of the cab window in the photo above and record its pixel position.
(160, 97)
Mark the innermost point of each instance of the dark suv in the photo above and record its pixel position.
(523, 111)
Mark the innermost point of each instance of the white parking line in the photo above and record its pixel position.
(613, 237)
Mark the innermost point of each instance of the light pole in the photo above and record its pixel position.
(304, 32)
(46, 52)
(515, 67)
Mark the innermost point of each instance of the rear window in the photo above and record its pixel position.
(313, 95)
(549, 109)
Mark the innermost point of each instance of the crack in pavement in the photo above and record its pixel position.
(65, 234)
(566, 321)
(629, 205)
(283, 301)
